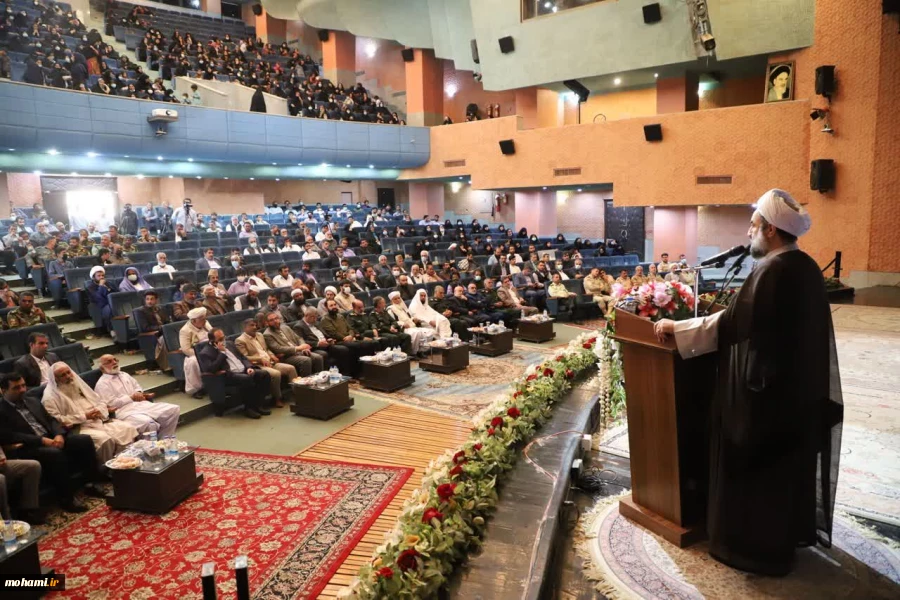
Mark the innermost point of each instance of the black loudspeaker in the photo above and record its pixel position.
(822, 175)
(506, 45)
(323, 35)
(890, 7)
(825, 80)
(653, 133)
(652, 13)
(257, 9)
(474, 45)
(507, 147)
(409, 54)
(580, 91)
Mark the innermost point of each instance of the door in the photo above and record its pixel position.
(386, 198)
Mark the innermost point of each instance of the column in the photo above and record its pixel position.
(424, 89)
(213, 7)
(339, 58)
(527, 107)
(268, 28)
(425, 198)
(677, 94)
(550, 109)
(536, 211)
(675, 232)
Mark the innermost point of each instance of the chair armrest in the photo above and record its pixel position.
(121, 318)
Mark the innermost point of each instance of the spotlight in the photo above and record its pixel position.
(189, 160)
(708, 41)
(371, 166)
(92, 155)
(656, 76)
(52, 151)
(277, 179)
(617, 81)
(159, 158)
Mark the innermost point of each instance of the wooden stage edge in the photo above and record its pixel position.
(398, 436)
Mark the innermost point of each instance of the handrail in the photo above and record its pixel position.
(836, 261)
(200, 84)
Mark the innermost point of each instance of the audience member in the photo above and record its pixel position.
(253, 346)
(35, 366)
(193, 332)
(26, 314)
(284, 343)
(121, 393)
(222, 358)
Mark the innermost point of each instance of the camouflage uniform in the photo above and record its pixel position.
(17, 319)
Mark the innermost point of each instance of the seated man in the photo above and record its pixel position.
(455, 312)
(529, 288)
(212, 303)
(507, 294)
(29, 433)
(223, 358)
(35, 366)
(253, 345)
(123, 394)
(460, 302)
(480, 301)
(599, 286)
(624, 280)
(308, 331)
(26, 475)
(272, 306)
(72, 402)
(336, 327)
(289, 348)
(248, 301)
(188, 302)
(387, 326)
(153, 320)
(406, 289)
(192, 333)
(558, 290)
(345, 297)
(27, 314)
(56, 269)
(426, 316)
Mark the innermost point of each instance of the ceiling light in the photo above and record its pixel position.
(189, 160)
(37, 172)
(371, 166)
(324, 164)
(126, 156)
(198, 177)
(617, 81)
(451, 90)
(555, 9)
(92, 155)
(11, 149)
(579, 189)
(253, 179)
(299, 164)
(107, 174)
(140, 176)
(371, 49)
(159, 158)
(226, 178)
(460, 177)
(277, 179)
(545, 187)
(170, 176)
(656, 75)
(274, 164)
(73, 174)
(52, 151)
(548, 4)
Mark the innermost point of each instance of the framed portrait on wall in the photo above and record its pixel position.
(780, 82)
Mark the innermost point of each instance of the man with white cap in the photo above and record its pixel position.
(196, 330)
(248, 301)
(776, 415)
(123, 394)
(330, 294)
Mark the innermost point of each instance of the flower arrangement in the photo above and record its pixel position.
(725, 299)
(661, 300)
(445, 518)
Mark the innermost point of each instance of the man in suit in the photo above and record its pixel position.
(309, 332)
(208, 261)
(154, 318)
(500, 268)
(406, 289)
(35, 366)
(221, 357)
(289, 348)
(336, 327)
(510, 298)
(252, 344)
(272, 306)
(528, 286)
(29, 433)
(187, 303)
(388, 279)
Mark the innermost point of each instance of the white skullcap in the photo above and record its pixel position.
(331, 289)
(97, 269)
(393, 295)
(196, 313)
(781, 210)
(254, 288)
(296, 292)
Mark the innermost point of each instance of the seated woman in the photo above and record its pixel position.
(98, 294)
(133, 281)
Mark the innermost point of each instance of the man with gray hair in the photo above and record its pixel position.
(123, 394)
(162, 265)
(289, 348)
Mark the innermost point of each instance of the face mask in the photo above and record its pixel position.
(132, 278)
(396, 273)
(488, 240)
(241, 278)
(578, 267)
(346, 289)
(253, 244)
(271, 245)
(559, 265)
(427, 243)
(478, 278)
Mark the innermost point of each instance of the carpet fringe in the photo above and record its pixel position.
(866, 530)
(584, 536)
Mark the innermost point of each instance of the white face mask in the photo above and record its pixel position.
(396, 273)
(241, 278)
(253, 244)
(132, 278)
(346, 289)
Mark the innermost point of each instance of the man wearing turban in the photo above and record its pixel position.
(777, 411)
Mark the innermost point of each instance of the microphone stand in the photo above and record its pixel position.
(734, 270)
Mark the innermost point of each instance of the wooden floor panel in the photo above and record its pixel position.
(398, 436)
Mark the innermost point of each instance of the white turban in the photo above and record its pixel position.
(254, 288)
(296, 293)
(393, 295)
(196, 313)
(97, 269)
(331, 289)
(781, 210)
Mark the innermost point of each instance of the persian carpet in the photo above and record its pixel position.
(295, 519)
(627, 561)
(464, 393)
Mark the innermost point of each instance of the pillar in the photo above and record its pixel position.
(424, 89)
(268, 28)
(536, 211)
(425, 198)
(339, 58)
(675, 232)
(527, 107)
(550, 109)
(677, 94)
(213, 7)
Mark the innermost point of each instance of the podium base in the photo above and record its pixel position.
(671, 532)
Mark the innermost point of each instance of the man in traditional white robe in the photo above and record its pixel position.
(419, 335)
(195, 331)
(122, 393)
(73, 403)
(421, 310)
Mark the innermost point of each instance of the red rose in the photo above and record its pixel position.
(497, 422)
(386, 572)
(531, 377)
(445, 491)
(456, 470)
(514, 412)
(548, 372)
(592, 340)
(477, 447)
(407, 559)
(459, 455)
(587, 346)
(490, 431)
(432, 513)
(570, 373)
(516, 394)
(559, 358)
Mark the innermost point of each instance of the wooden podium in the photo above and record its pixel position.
(668, 432)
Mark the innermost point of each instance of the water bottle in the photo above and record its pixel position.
(456, 339)
(153, 437)
(523, 315)
(171, 446)
(333, 375)
(546, 316)
(502, 326)
(9, 534)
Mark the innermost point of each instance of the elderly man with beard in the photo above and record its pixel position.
(123, 394)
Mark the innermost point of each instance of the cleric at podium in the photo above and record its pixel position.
(777, 414)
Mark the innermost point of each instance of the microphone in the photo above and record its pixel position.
(721, 257)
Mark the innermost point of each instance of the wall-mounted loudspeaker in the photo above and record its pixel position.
(409, 54)
(825, 80)
(474, 45)
(652, 13)
(507, 147)
(323, 35)
(506, 45)
(257, 9)
(653, 133)
(822, 175)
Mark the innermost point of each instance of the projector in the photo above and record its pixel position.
(164, 115)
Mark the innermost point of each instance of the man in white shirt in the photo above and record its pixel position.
(123, 394)
(161, 265)
(247, 230)
(310, 253)
(185, 216)
(234, 226)
(35, 366)
(284, 277)
(424, 221)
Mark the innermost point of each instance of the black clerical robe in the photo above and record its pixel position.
(776, 418)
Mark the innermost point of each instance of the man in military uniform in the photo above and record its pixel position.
(495, 304)
(128, 245)
(188, 303)
(77, 249)
(440, 303)
(362, 326)
(27, 314)
(336, 327)
(42, 255)
(387, 327)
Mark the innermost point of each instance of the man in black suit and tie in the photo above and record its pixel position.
(308, 330)
(500, 268)
(35, 366)
(208, 261)
(28, 432)
(221, 357)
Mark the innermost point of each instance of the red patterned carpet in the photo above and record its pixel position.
(296, 519)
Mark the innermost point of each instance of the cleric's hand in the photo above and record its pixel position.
(663, 329)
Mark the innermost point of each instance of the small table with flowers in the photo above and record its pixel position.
(536, 331)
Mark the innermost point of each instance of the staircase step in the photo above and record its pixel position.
(80, 329)
(191, 409)
(160, 384)
(61, 315)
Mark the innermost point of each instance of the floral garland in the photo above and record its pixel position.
(445, 519)
(612, 379)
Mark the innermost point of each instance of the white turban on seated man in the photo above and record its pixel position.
(122, 393)
(75, 405)
(417, 332)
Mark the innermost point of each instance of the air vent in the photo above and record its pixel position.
(567, 172)
(454, 163)
(714, 180)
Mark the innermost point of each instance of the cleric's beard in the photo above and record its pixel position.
(758, 246)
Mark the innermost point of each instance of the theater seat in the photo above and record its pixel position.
(173, 346)
(74, 355)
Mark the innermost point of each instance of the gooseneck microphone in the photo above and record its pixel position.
(721, 257)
